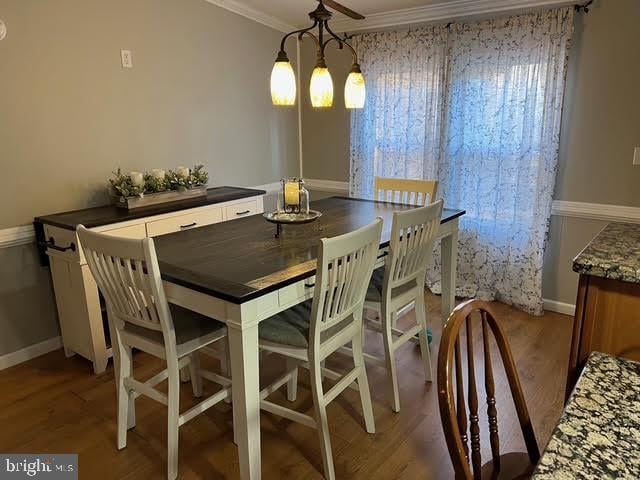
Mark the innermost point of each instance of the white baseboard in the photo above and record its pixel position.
(559, 307)
(32, 351)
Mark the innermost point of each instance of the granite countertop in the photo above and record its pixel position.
(614, 253)
(598, 436)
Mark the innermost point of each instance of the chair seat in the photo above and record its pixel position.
(374, 292)
(188, 326)
(290, 327)
(513, 466)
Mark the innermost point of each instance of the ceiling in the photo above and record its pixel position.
(296, 12)
(285, 15)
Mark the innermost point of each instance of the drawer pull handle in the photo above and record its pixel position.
(51, 243)
(310, 285)
(243, 213)
(191, 225)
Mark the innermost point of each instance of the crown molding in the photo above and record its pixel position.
(253, 14)
(440, 11)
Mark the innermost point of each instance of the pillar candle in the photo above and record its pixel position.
(158, 173)
(292, 193)
(137, 178)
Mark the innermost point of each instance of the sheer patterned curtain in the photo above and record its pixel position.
(398, 133)
(491, 139)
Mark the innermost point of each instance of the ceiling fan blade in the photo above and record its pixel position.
(342, 9)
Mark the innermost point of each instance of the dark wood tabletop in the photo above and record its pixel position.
(110, 214)
(241, 260)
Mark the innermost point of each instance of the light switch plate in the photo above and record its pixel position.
(636, 156)
(3, 30)
(127, 59)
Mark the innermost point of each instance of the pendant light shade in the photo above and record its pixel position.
(355, 90)
(283, 79)
(321, 88)
(283, 82)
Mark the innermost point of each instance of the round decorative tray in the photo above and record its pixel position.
(282, 218)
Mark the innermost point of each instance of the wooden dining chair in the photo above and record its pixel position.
(451, 398)
(127, 274)
(308, 333)
(401, 284)
(406, 191)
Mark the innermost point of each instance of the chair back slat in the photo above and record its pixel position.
(406, 191)
(474, 423)
(412, 236)
(345, 265)
(127, 273)
(452, 416)
(492, 411)
(461, 411)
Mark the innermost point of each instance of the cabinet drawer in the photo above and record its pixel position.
(240, 210)
(296, 293)
(62, 237)
(135, 232)
(184, 222)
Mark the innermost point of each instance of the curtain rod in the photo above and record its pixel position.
(579, 7)
(583, 7)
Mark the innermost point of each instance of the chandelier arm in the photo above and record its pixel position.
(300, 33)
(308, 33)
(340, 41)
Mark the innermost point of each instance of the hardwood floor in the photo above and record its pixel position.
(55, 405)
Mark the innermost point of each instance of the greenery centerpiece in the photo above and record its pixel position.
(137, 189)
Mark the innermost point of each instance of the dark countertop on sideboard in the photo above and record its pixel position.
(614, 253)
(109, 214)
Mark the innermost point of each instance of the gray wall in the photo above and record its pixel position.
(27, 306)
(599, 131)
(198, 93)
(325, 132)
(70, 115)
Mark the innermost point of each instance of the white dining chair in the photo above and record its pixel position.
(405, 191)
(308, 333)
(400, 284)
(127, 274)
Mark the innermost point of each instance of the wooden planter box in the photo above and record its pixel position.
(131, 203)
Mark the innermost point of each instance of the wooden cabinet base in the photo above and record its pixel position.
(607, 320)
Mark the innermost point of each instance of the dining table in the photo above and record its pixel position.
(239, 273)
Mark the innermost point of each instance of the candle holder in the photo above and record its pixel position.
(294, 197)
(292, 205)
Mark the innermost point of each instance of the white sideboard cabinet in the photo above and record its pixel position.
(81, 309)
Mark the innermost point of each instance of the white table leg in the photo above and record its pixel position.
(243, 345)
(449, 248)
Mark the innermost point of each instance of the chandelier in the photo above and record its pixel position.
(283, 79)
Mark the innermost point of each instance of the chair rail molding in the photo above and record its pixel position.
(327, 185)
(441, 11)
(268, 187)
(596, 211)
(14, 236)
(253, 14)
